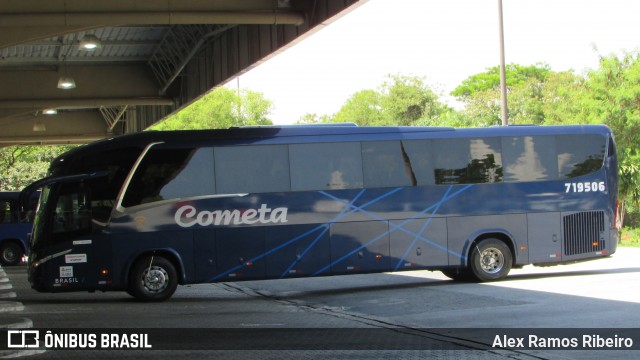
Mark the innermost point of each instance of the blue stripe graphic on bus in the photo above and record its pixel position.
(398, 227)
(422, 230)
(360, 209)
(325, 227)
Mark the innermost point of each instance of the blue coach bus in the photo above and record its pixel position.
(15, 227)
(145, 212)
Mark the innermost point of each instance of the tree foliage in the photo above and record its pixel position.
(401, 100)
(481, 94)
(490, 79)
(22, 165)
(220, 109)
(614, 99)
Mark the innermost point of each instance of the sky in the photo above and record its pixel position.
(444, 41)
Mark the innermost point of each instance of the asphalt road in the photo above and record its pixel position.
(404, 315)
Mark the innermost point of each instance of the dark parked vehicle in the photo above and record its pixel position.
(15, 228)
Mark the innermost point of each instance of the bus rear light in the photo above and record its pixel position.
(595, 244)
(104, 272)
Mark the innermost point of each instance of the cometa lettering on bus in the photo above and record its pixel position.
(188, 216)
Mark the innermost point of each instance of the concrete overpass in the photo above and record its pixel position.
(150, 57)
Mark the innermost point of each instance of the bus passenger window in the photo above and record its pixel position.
(580, 154)
(7, 213)
(386, 164)
(252, 169)
(171, 173)
(419, 154)
(468, 161)
(326, 166)
(529, 158)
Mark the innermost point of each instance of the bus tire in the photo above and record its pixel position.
(490, 260)
(153, 278)
(10, 253)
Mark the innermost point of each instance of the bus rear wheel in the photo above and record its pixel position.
(10, 253)
(153, 278)
(490, 260)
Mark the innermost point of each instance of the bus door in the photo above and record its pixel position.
(69, 257)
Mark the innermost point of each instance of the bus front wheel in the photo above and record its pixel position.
(490, 260)
(153, 278)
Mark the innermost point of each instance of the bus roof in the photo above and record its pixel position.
(319, 133)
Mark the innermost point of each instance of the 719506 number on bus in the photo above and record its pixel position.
(587, 186)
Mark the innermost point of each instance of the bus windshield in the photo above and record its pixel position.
(39, 221)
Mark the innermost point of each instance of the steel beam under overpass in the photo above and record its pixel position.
(155, 58)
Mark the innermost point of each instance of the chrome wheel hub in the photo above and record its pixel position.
(492, 260)
(155, 279)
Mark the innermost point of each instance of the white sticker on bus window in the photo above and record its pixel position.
(75, 258)
(82, 242)
(66, 271)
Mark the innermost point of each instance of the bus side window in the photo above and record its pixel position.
(169, 173)
(468, 161)
(252, 169)
(6, 213)
(529, 158)
(419, 154)
(326, 166)
(580, 154)
(386, 164)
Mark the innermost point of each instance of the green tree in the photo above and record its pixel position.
(22, 165)
(406, 99)
(490, 79)
(482, 96)
(566, 99)
(364, 108)
(614, 99)
(310, 118)
(220, 109)
(400, 100)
